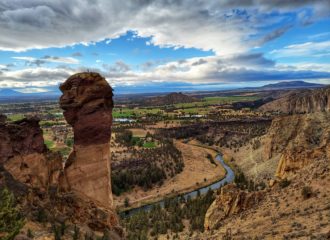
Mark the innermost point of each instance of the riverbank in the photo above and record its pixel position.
(198, 172)
(230, 176)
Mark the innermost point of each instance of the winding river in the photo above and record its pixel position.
(230, 175)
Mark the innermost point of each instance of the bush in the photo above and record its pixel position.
(284, 183)
(10, 219)
(306, 192)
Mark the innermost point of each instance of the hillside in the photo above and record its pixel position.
(10, 93)
(172, 98)
(304, 101)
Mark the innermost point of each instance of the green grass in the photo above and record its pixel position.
(64, 151)
(149, 145)
(137, 112)
(50, 144)
(206, 101)
(15, 117)
(231, 99)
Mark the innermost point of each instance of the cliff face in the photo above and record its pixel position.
(305, 101)
(299, 139)
(229, 202)
(24, 155)
(87, 104)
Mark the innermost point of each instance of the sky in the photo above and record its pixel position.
(164, 45)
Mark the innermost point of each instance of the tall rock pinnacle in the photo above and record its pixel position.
(87, 104)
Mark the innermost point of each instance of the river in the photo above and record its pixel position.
(230, 175)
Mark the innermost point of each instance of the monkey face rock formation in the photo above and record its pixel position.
(24, 155)
(87, 104)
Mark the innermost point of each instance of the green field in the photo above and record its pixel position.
(187, 108)
(149, 145)
(15, 117)
(231, 99)
(207, 101)
(50, 144)
(138, 112)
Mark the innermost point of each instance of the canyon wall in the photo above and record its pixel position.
(87, 104)
(301, 145)
(299, 140)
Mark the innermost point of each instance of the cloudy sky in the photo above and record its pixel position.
(164, 45)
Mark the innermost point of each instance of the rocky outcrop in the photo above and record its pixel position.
(305, 101)
(299, 140)
(229, 202)
(87, 104)
(296, 158)
(24, 155)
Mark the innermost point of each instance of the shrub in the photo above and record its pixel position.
(10, 219)
(284, 183)
(306, 192)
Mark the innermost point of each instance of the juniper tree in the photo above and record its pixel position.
(10, 219)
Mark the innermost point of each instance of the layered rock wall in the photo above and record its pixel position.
(299, 140)
(87, 104)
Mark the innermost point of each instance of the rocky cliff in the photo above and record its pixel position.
(87, 104)
(299, 140)
(229, 202)
(304, 101)
(24, 155)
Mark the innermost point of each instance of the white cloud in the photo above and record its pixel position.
(307, 49)
(216, 25)
(200, 70)
(52, 59)
(35, 77)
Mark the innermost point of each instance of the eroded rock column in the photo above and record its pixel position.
(87, 104)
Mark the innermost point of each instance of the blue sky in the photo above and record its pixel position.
(155, 46)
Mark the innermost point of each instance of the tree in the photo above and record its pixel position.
(10, 219)
(126, 202)
(76, 233)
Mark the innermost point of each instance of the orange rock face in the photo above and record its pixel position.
(87, 104)
(229, 202)
(24, 155)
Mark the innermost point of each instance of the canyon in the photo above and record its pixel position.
(295, 154)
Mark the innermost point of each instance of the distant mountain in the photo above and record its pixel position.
(292, 84)
(10, 95)
(169, 99)
(6, 92)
